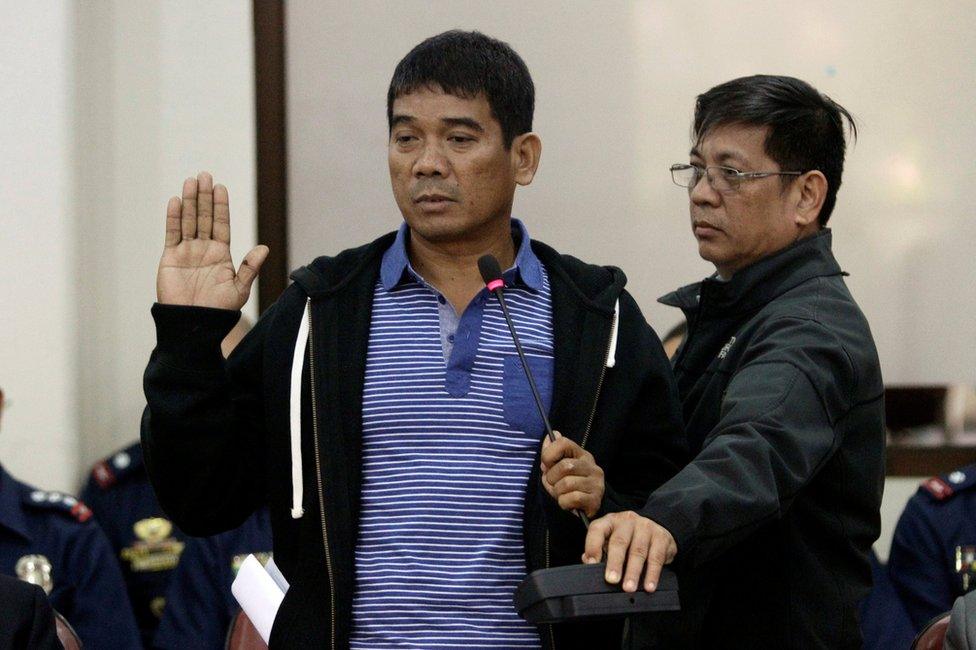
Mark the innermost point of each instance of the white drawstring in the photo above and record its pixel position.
(612, 357)
(297, 363)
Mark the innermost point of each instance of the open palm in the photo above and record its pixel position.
(196, 267)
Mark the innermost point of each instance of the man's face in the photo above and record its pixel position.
(452, 176)
(738, 228)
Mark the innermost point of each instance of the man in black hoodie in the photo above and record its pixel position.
(781, 389)
(379, 408)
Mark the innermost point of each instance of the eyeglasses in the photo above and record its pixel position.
(721, 179)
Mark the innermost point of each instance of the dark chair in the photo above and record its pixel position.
(932, 636)
(66, 634)
(242, 635)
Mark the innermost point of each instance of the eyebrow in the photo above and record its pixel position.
(449, 121)
(723, 156)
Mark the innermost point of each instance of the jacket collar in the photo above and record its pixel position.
(760, 283)
(11, 505)
(527, 270)
(597, 287)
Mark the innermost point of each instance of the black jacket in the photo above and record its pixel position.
(783, 400)
(27, 620)
(216, 437)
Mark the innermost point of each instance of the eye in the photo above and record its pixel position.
(729, 173)
(460, 139)
(404, 138)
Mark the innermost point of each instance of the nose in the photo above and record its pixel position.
(430, 162)
(703, 193)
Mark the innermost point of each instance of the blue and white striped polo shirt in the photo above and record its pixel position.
(450, 434)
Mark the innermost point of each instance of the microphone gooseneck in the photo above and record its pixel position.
(491, 273)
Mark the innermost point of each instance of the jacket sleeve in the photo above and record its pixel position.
(776, 429)
(203, 427)
(918, 566)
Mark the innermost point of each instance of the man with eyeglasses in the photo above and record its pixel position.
(772, 522)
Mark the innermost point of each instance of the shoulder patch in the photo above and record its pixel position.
(103, 475)
(59, 502)
(117, 467)
(937, 488)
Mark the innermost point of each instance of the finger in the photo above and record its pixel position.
(569, 484)
(617, 547)
(548, 487)
(204, 205)
(250, 266)
(596, 537)
(577, 500)
(221, 214)
(553, 452)
(656, 559)
(173, 235)
(189, 220)
(637, 556)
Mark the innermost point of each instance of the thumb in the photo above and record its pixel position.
(250, 266)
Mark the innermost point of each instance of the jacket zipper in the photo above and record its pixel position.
(586, 435)
(599, 386)
(318, 472)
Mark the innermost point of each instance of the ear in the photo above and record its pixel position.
(526, 151)
(811, 190)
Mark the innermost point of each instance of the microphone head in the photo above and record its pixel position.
(489, 267)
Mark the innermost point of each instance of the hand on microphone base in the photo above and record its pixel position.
(638, 540)
(571, 476)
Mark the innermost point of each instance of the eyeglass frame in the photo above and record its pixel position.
(738, 177)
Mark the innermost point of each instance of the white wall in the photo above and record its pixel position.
(116, 102)
(39, 432)
(616, 83)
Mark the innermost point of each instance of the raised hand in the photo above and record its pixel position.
(196, 267)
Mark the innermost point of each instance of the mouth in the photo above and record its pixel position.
(703, 229)
(433, 202)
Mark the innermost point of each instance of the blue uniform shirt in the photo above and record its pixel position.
(199, 603)
(933, 553)
(884, 621)
(51, 538)
(146, 544)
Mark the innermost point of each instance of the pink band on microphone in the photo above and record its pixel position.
(495, 284)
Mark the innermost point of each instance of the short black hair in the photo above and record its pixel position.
(468, 64)
(806, 128)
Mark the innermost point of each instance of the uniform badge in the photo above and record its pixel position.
(238, 560)
(35, 569)
(154, 550)
(156, 606)
(966, 566)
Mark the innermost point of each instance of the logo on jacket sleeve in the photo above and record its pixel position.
(724, 352)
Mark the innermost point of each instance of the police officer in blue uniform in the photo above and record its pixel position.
(884, 621)
(933, 553)
(146, 544)
(199, 603)
(51, 540)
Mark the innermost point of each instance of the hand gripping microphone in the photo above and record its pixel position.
(575, 592)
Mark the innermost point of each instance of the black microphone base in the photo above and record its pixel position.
(577, 592)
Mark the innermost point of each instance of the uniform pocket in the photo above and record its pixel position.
(521, 412)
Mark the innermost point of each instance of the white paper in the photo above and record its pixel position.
(276, 575)
(258, 594)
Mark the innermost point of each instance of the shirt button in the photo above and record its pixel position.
(442, 300)
(450, 337)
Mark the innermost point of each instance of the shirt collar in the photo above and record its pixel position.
(11, 505)
(527, 269)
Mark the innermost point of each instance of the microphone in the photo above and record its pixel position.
(575, 592)
(491, 273)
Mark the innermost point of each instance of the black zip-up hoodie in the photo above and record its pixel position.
(217, 436)
(784, 406)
